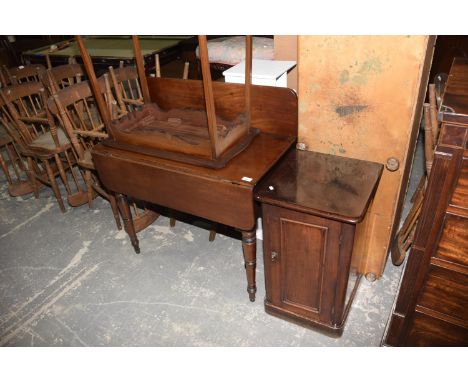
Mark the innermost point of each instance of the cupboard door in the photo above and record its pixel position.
(301, 254)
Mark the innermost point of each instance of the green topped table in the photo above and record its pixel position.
(109, 50)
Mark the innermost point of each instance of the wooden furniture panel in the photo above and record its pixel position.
(460, 195)
(270, 106)
(446, 291)
(302, 277)
(453, 243)
(431, 306)
(192, 191)
(311, 203)
(361, 97)
(429, 331)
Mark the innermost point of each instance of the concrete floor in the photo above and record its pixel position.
(72, 279)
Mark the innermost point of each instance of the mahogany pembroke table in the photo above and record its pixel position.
(222, 195)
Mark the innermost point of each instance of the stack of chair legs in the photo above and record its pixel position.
(405, 236)
(13, 165)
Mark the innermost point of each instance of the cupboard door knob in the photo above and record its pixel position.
(274, 256)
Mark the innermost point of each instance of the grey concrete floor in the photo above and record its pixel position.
(73, 279)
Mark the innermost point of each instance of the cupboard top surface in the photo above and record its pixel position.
(321, 184)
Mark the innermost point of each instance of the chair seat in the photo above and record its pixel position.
(46, 142)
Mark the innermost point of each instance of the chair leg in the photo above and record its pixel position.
(32, 177)
(115, 211)
(5, 170)
(213, 232)
(89, 187)
(128, 221)
(12, 157)
(54, 185)
(63, 176)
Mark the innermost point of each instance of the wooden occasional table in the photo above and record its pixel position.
(311, 204)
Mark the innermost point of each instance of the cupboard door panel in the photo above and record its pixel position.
(302, 260)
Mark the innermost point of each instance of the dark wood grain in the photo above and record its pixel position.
(431, 307)
(321, 184)
(273, 110)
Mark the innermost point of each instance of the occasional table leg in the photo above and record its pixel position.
(128, 221)
(249, 248)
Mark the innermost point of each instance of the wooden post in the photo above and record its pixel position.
(433, 109)
(49, 64)
(94, 85)
(141, 69)
(186, 70)
(209, 99)
(428, 138)
(248, 78)
(157, 66)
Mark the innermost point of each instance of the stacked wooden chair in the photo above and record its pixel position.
(62, 76)
(27, 73)
(74, 108)
(405, 236)
(47, 148)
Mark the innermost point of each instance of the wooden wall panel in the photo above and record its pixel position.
(361, 97)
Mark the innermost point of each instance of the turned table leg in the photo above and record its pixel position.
(249, 248)
(128, 221)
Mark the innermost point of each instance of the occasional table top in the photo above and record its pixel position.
(321, 184)
(245, 170)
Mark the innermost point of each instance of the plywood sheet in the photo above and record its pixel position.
(360, 97)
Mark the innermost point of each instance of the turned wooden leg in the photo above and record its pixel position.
(12, 157)
(89, 187)
(213, 232)
(32, 177)
(62, 173)
(128, 221)
(5, 169)
(54, 185)
(249, 248)
(115, 211)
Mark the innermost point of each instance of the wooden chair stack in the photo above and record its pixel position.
(46, 147)
(405, 236)
(62, 76)
(27, 73)
(18, 183)
(74, 108)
